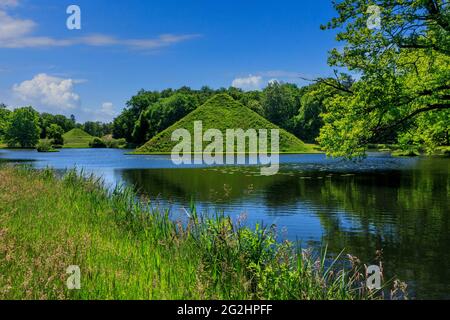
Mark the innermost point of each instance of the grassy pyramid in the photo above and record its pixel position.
(77, 138)
(221, 112)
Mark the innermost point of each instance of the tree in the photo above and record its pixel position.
(308, 121)
(404, 69)
(23, 128)
(47, 119)
(160, 115)
(4, 119)
(281, 103)
(123, 125)
(253, 101)
(97, 143)
(55, 133)
(97, 129)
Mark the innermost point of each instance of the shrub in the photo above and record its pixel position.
(114, 143)
(55, 133)
(406, 153)
(58, 141)
(45, 146)
(447, 152)
(97, 143)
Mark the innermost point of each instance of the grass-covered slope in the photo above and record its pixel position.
(77, 138)
(222, 112)
(129, 250)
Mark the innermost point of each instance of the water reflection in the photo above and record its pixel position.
(398, 205)
(402, 209)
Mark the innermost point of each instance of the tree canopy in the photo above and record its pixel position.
(4, 118)
(55, 133)
(404, 75)
(23, 128)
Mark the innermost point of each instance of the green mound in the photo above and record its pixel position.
(222, 112)
(77, 138)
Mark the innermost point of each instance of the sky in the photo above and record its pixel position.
(127, 45)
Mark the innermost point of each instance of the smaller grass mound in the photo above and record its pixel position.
(77, 138)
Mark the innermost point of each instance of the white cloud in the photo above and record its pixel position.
(108, 109)
(48, 92)
(282, 74)
(106, 113)
(261, 79)
(18, 33)
(8, 3)
(248, 83)
(11, 28)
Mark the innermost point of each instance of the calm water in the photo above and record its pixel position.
(399, 205)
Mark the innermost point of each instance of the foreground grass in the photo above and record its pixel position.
(127, 250)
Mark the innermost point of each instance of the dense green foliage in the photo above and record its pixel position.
(52, 128)
(110, 142)
(97, 143)
(404, 67)
(221, 112)
(49, 224)
(4, 119)
(45, 146)
(22, 129)
(96, 129)
(308, 121)
(150, 112)
(55, 133)
(281, 103)
(162, 114)
(47, 119)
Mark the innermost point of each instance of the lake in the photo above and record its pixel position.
(399, 205)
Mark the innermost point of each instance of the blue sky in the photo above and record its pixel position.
(124, 46)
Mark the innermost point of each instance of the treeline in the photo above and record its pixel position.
(24, 127)
(293, 108)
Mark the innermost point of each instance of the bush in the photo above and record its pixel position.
(55, 133)
(114, 143)
(58, 141)
(45, 146)
(406, 153)
(97, 143)
(447, 152)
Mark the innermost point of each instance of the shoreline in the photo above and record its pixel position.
(127, 250)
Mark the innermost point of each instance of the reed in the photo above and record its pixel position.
(128, 249)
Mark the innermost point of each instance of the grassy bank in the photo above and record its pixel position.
(127, 250)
